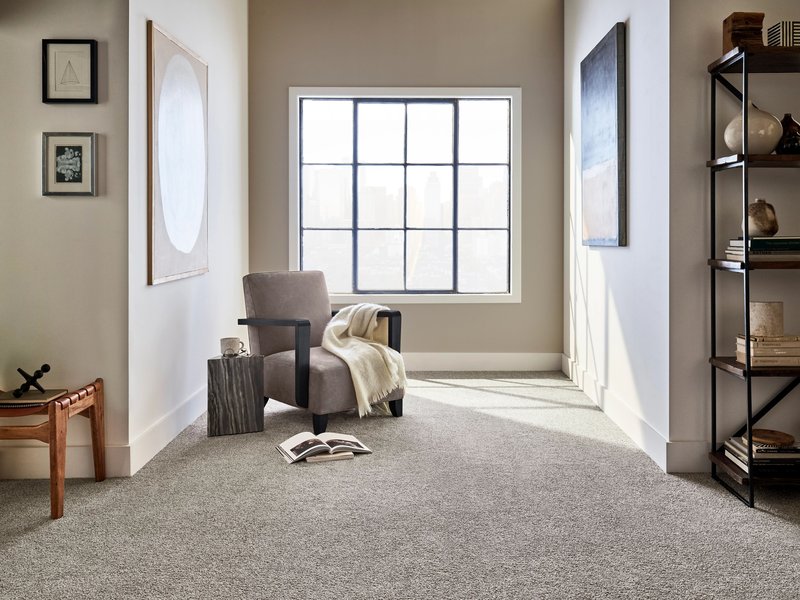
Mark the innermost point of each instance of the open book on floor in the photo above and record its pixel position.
(325, 446)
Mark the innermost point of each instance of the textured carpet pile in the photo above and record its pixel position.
(493, 485)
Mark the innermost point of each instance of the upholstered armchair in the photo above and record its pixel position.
(287, 312)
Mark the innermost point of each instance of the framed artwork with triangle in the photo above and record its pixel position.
(69, 71)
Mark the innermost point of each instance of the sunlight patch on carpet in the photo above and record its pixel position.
(578, 425)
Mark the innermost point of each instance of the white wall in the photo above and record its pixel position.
(175, 327)
(616, 300)
(63, 260)
(695, 42)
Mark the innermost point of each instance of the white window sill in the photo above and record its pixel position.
(392, 299)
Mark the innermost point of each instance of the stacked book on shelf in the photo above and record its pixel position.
(774, 457)
(782, 247)
(766, 351)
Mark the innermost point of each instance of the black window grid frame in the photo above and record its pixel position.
(454, 229)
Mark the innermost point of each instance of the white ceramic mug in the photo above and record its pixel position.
(231, 346)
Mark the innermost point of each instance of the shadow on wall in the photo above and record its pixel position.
(614, 347)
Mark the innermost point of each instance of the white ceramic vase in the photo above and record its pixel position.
(765, 131)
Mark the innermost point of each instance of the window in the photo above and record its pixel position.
(409, 195)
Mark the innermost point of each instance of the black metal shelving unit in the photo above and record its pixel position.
(769, 59)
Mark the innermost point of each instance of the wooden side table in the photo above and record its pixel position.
(235, 395)
(86, 401)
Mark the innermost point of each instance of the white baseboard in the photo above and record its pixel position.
(672, 457)
(153, 439)
(482, 361)
(643, 435)
(566, 365)
(33, 461)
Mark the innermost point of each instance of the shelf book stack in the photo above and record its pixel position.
(766, 457)
(765, 248)
(783, 351)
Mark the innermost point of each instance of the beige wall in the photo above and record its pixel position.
(695, 42)
(503, 43)
(175, 327)
(63, 260)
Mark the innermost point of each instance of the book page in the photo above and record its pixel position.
(301, 445)
(341, 442)
(329, 457)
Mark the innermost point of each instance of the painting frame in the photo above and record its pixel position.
(69, 164)
(603, 142)
(177, 157)
(69, 71)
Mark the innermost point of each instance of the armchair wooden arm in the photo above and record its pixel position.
(302, 351)
(395, 325)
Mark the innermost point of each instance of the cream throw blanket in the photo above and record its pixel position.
(355, 336)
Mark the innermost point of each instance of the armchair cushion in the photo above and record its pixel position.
(285, 295)
(330, 386)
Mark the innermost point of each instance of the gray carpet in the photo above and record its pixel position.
(493, 485)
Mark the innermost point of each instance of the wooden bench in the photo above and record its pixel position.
(86, 401)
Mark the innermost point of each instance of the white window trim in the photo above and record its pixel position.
(515, 94)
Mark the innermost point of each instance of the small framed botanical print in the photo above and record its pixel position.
(69, 71)
(68, 164)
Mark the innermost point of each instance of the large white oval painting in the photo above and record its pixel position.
(181, 153)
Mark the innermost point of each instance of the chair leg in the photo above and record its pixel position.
(97, 420)
(396, 406)
(320, 423)
(57, 417)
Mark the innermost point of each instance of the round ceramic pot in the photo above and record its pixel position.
(765, 130)
(761, 219)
